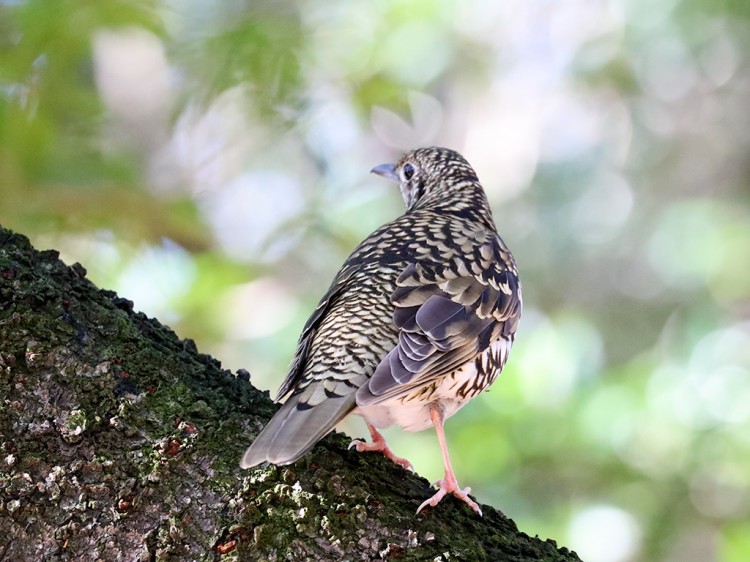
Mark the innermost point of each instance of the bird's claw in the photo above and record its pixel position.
(380, 447)
(446, 488)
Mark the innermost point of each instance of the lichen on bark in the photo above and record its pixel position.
(119, 441)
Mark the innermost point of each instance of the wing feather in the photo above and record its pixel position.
(308, 332)
(446, 317)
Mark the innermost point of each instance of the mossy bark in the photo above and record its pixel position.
(119, 441)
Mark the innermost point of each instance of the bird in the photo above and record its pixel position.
(420, 319)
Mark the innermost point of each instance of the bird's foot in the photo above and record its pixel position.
(449, 486)
(379, 446)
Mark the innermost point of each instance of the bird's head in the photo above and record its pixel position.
(425, 171)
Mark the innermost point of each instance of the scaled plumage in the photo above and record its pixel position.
(420, 319)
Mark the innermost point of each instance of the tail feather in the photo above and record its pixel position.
(293, 431)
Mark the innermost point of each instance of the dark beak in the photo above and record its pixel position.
(387, 171)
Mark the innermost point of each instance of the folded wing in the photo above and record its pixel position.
(446, 316)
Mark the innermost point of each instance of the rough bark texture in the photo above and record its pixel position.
(119, 441)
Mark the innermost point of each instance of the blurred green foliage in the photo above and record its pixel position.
(209, 160)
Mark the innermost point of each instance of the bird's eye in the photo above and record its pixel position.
(408, 171)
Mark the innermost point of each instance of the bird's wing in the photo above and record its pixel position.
(447, 314)
(308, 332)
(305, 417)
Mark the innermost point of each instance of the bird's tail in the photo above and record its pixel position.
(295, 429)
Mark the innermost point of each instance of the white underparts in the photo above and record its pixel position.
(412, 411)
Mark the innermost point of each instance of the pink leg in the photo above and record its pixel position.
(380, 446)
(448, 485)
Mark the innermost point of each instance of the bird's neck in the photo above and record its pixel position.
(466, 200)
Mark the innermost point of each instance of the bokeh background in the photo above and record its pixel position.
(209, 160)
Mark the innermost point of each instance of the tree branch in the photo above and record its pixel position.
(121, 442)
